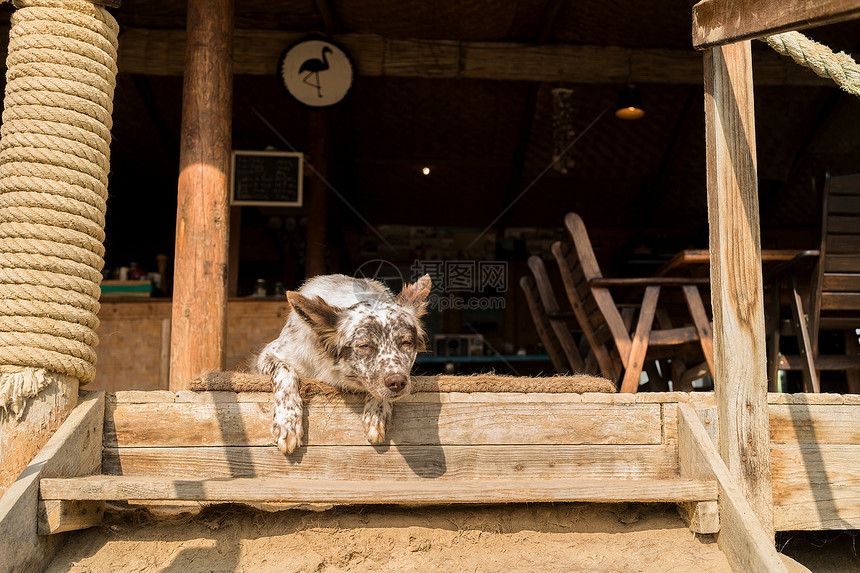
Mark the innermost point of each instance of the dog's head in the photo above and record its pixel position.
(374, 342)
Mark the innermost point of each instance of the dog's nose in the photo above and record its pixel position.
(395, 382)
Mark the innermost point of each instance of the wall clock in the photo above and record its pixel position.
(316, 72)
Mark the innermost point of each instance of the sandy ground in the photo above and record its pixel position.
(539, 537)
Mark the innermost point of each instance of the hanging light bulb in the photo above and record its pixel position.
(629, 103)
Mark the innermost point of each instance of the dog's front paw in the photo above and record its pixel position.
(377, 414)
(287, 429)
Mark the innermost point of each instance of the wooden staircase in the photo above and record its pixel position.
(445, 448)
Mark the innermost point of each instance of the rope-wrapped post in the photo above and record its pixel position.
(54, 161)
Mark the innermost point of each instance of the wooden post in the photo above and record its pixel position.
(233, 262)
(740, 374)
(317, 194)
(202, 219)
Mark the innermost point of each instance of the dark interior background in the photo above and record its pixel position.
(639, 185)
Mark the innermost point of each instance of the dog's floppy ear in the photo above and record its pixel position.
(415, 295)
(318, 314)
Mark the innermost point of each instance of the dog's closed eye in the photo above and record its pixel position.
(407, 343)
(364, 348)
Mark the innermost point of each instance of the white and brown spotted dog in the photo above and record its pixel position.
(350, 333)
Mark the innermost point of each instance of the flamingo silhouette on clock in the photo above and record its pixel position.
(313, 67)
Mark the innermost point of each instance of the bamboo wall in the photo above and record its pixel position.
(134, 340)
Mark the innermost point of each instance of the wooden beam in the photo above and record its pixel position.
(410, 492)
(328, 15)
(747, 544)
(74, 450)
(366, 462)
(815, 485)
(316, 242)
(717, 22)
(161, 52)
(21, 439)
(740, 373)
(202, 219)
(225, 424)
(57, 516)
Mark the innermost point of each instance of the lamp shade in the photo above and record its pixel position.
(629, 103)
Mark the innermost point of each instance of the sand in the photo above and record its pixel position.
(602, 538)
(536, 537)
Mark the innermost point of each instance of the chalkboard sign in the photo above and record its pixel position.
(267, 178)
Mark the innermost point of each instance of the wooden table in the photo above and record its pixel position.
(697, 261)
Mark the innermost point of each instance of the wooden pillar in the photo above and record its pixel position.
(233, 263)
(317, 194)
(740, 373)
(199, 314)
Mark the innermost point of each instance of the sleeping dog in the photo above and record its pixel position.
(353, 334)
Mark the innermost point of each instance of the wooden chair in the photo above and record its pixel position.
(550, 321)
(834, 291)
(617, 346)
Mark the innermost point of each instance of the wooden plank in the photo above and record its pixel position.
(74, 450)
(542, 325)
(410, 492)
(701, 516)
(419, 423)
(740, 373)
(401, 462)
(21, 439)
(550, 304)
(814, 424)
(160, 396)
(841, 282)
(154, 51)
(816, 486)
(829, 362)
(57, 516)
(747, 544)
(639, 345)
(848, 244)
(843, 301)
(717, 22)
(817, 514)
(316, 195)
(700, 320)
(849, 204)
(199, 323)
(800, 325)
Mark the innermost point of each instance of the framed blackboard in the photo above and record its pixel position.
(266, 178)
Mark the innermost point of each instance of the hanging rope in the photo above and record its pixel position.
(841, 68)
(54, 160)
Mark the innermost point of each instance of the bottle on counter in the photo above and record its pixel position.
(260, 288)
(135, 273)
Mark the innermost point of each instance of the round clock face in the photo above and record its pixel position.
(316, 72)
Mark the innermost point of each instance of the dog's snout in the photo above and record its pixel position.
(395, 382)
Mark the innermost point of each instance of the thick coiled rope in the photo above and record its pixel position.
(841, 68)
(54, 161)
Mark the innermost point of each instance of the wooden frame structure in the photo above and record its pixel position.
(444, 448)
(722, 28)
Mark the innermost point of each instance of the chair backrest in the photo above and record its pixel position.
(545, 333)
(557, 324)
(835, 285)
(595, 310)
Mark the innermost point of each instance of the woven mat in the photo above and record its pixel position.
(578, 384)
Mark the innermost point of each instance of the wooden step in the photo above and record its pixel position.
(410, 492)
